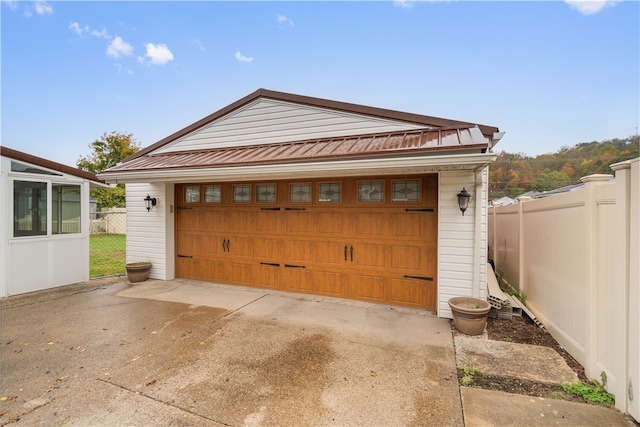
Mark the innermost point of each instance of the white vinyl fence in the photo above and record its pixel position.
(575, 256)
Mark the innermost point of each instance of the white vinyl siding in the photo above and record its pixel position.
(150, 234)
(460, 265)
(267, 121)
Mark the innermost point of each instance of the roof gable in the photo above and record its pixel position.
(225, 127)
(272, 121)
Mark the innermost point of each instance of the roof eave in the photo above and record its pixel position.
(316, 169)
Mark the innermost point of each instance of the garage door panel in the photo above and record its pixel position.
(189, 243)
(267, 275)
(300, 222)
(188, 268)
(368, 255)
(329, 253)
(407, 257)
(241, 246)
(297, 279)
(328, 283)
(411, 292)
(268, 250)
(331, 223)
(241, 273)
(242, 221)
(212, 270)
(298, 251)
(188, 219)
(267, 221)
(372, 224)
(213, 219)
(368, 287)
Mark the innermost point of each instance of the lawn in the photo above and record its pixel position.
(107, 254)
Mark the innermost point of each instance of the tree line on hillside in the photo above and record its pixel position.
(514, 174)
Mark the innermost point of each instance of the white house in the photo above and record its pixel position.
(44, 223)
(309, 195)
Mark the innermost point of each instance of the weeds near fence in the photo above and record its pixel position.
(107, 254)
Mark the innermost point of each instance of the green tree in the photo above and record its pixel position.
(107, 152)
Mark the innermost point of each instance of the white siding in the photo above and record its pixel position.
(461, 262)
(29, 264)
(267, 121)
(146, 231)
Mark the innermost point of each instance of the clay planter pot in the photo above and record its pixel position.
(469, 314)
(138, 271)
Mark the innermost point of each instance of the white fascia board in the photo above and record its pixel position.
(336, 168)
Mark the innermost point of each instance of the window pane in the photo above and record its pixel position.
(372, 191)
(65, 209)
(406, 191)
(265, 193)
(242, 193)
(329, 192)
(29, 208)
(300, 193)
(213, 193)
(192, 194)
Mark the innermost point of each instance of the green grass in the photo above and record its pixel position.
(107, 254)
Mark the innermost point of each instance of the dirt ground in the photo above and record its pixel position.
(523, 330)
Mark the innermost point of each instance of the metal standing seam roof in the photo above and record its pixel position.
(347, 147)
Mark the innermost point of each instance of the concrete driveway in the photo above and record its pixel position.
(189, 353)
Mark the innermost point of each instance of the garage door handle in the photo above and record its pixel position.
(351, 251)
(345, 252)
(224, 241)
(428, 279)
(294, 266)
(228, 241)
(419, 210)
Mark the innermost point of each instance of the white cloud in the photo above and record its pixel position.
(102, 34)
(78, 29)
(284, 20)
(405, 4)
(41, 7)
(11, 4)
(118, 48)
(589, 7)
(158, 54)
(241, 58)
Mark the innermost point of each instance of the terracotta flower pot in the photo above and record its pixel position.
(469, 314)
(138, 271)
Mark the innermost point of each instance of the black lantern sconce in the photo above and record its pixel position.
(463, 200)
(149, 202)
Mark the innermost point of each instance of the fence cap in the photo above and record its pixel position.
(597, 177)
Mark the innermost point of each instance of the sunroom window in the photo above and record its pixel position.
(29, 208)
(65, 209)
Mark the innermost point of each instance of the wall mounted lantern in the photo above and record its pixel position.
(149, 202)
(463, 200)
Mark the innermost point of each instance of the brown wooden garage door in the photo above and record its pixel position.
(371, 239)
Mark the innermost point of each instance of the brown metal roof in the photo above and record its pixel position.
(388, 144)
(39, 161)
(427, 121)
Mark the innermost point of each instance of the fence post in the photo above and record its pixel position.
(591, 209)
(522, 286)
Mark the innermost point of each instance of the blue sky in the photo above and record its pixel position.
(548, 73)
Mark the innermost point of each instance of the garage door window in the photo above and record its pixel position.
(330, 192)
(265, 193)
(242, 194)
(192, 194)
(371, 191)
(300, 193)
(406, 190)
(213, 193)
